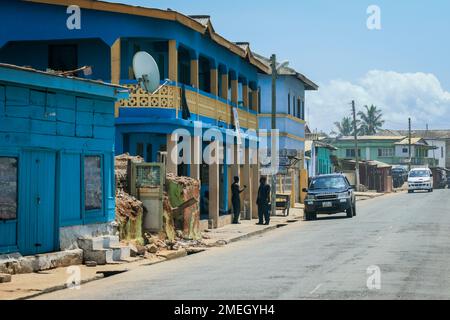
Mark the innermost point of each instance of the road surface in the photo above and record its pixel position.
(405, 236)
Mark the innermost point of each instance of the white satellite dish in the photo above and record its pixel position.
(146, 71)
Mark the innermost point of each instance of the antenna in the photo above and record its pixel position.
(147, 72)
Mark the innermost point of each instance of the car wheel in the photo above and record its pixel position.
(410, 191)
(307, 217)
(431, 190)
(349, 212)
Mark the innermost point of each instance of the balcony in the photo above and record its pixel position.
(200, 103)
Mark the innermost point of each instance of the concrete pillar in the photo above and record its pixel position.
(255, 98)
(224, 89)
(234, 91)
(247, 181)
(173, 60)
(194, 73)
(214, 197)
(245, 96)
(196, 157)
(214, 82)
(172, 148)
(115, 69)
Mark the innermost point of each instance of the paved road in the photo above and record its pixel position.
(406, 236)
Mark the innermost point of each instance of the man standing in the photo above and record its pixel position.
(263, 201)
(236, 199)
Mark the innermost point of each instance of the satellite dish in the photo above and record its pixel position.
(146, 71)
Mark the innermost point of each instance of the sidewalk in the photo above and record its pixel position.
(24, 286)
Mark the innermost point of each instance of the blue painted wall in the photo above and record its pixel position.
(107, 27)
(58, 121)
(287, 87)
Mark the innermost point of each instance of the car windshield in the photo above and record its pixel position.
(328, 183)
(419, 174)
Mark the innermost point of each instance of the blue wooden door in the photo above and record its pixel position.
(37, 214)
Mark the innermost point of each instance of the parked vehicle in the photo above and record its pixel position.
(439, 178)
(399, 176)
(420, 179)
(329, 194)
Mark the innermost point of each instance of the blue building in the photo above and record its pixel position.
(290, 121)
(211, 79)
(56, 159)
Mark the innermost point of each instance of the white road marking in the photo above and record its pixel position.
(317, 288)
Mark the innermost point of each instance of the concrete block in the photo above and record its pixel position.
(102, 257)
(121, 253)
(4, 278)
(89, 244)
(111, 241)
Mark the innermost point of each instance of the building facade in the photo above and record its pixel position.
(393, 150)
(290, 121)
(56, 160)
(213, 84)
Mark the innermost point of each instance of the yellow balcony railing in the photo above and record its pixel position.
(198, 103)
(167, 97)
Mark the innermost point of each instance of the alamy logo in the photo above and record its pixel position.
(74, 280)
(74, 20)
(374, 280)
(374, 19)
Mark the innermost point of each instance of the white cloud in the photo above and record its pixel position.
(400, 95)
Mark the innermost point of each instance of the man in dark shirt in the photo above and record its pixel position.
(236, 199)
(263, 202)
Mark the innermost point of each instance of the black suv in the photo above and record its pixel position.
(329, 194)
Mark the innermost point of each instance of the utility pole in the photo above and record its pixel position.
(355, 132)
(273, 187)
(409, 144)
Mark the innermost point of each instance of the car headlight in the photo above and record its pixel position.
(310, 197)
(343, 195)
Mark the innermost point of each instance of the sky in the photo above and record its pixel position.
(403, 68)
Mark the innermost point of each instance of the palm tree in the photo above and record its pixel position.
(345, 127)
(371, 120)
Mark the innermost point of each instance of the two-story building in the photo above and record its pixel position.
(393, 150)
(210, 80)
(290, 121)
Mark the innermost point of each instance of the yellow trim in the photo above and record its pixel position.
(194, 73)
(173, 61)
(159, 14)
(284, 116)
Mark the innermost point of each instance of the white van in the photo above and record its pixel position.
(420, 179)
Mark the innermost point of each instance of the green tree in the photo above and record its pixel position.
(371, 120)
(345, 127)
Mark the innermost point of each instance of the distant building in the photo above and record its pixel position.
(440, 139)
(290, 121)
(213, 84)
(56, 159)
(392, 150)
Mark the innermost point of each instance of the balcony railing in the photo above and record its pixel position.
(167, 97)
(200, 103)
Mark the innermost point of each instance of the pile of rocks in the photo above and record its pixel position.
(121, 167)
(180, 191)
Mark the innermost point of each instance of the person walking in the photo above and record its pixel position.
(263, 202)
(236, 199)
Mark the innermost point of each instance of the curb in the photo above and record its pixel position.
(167, 256)
(252, 234)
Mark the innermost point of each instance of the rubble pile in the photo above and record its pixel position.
(121, 168)
(129, 210)
(184, 199)
(129, 215)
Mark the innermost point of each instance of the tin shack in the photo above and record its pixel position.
(56, 159)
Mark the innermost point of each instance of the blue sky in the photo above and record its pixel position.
(329, 42)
